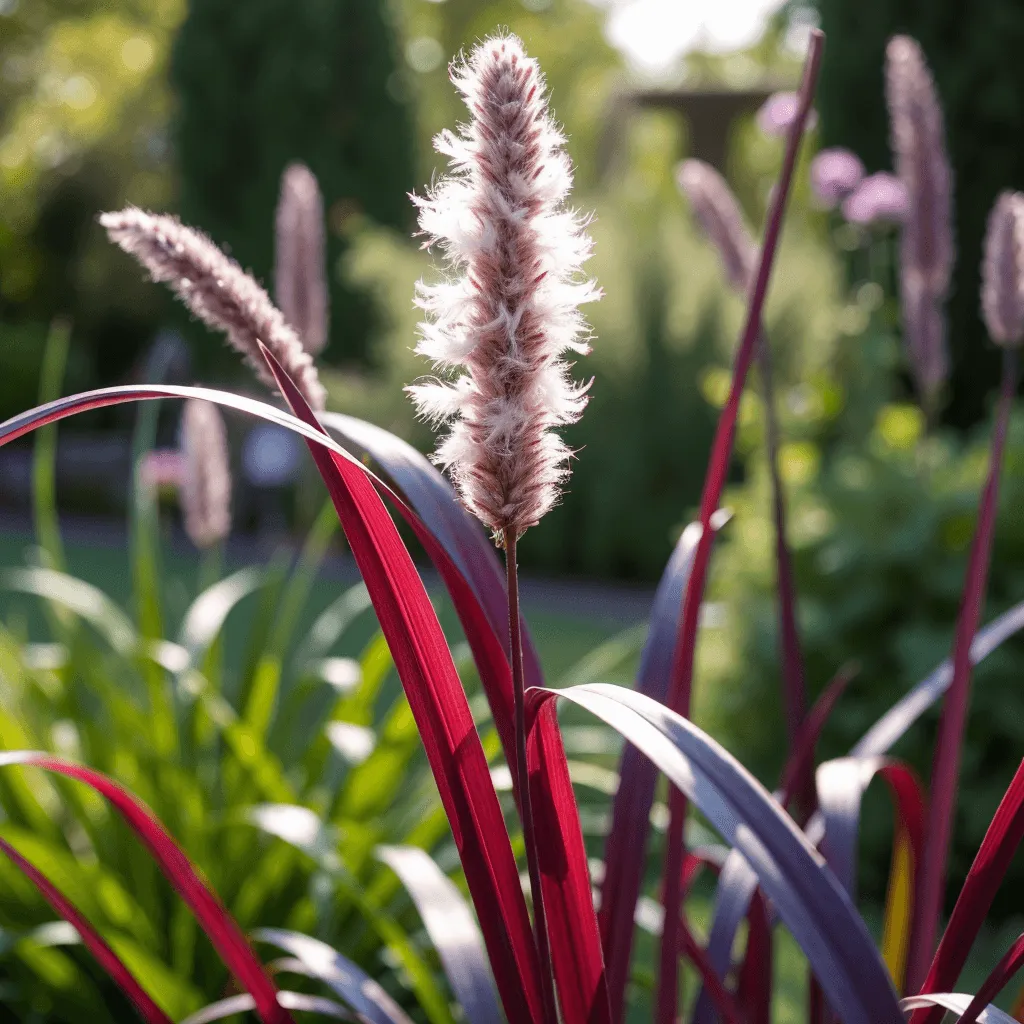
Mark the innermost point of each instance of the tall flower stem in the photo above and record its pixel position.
(948, 746)
(523, 781)
(714, 482)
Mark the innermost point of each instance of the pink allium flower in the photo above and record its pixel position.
(1002, 271)
(206, 475)
(721, 219)
(779, 111)
(879, 199)
(511, 313)
(919, 149)
(835, 173)
(300, 285)
(217, 291)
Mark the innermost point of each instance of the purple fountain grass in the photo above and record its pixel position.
(927, 252)
(1002, 272)
(507, 321)
(300, 284)
(217, 291)
(206, 479)
(718, 212)
(512, 313)
(1003, 307)
(714, 481)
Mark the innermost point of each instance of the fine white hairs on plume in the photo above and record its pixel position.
(300, 281)
(206, 475)
(498, 330)
(218, 292)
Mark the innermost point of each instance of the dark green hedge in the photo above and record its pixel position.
(262, 83)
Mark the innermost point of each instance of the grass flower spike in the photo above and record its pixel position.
(1002, 272)
(498, 332)
(300, 285)
(217, 291)
(206, 480)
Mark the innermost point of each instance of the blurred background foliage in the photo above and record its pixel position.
(196, 107)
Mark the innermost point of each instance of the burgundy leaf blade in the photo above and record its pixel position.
(105, 956)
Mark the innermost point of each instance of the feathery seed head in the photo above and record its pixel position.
(206, 476)
(498, 332)
(300, 285)
(217, 291)
(1002, 272)
(919, 148)
(718, 212)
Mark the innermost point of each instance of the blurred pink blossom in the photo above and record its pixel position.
(879, 199)
(835, 173)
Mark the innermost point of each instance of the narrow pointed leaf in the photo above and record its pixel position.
(1004, 836)
(945, 774)
(220, 927)
(344, 978)
(105, 956)
(737, 882)
(234, 1005)
(452, 930)
(956, 1002)
(439, 706)
(1009, 964)
(793, 876)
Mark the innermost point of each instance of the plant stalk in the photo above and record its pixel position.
(714, 483)
(523, 783)
(948, 746)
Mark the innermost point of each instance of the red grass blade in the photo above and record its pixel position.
(565, 880)
(439, 706)
(718, 467)
(801, 753)
(227, 938)
(719, 994)
(807, 896)
(793, 681)
(1004, 835)
(1011, 962)
(105, 956)
(626, 846)
(946, 765)
(958, 1003)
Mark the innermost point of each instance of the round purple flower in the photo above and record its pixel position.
(879, 199)
(835, 173)
(779, 111)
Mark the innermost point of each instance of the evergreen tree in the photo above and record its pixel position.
(266, 82)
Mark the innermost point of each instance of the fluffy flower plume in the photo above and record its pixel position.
(217, 291)
(499, 330)
(1002, 272)
(206, 475)
(919, 148)
(835, 173)
(721, 219)
(300, 285)
(879, 199)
